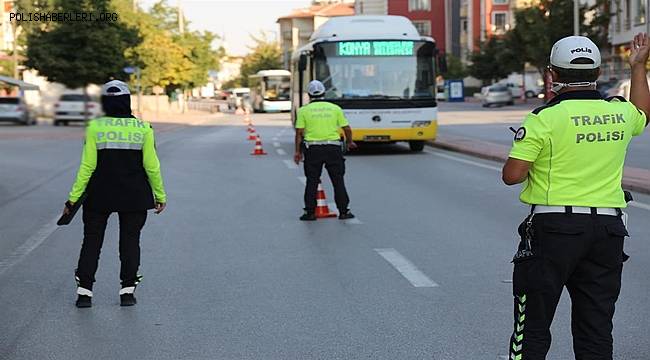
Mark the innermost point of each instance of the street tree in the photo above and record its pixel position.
(77, 54)
(540, 25)
(495, 60)
(264, 55)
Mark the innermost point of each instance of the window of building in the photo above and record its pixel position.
(419, 5)
(424, 27)
(499, 2)
(500, 22)
(640, 12)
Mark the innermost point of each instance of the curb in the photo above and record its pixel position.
(634, 179)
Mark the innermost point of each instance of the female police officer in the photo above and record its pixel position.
(570, 154)
(119, 172)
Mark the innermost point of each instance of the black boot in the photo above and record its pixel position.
(345, 215)
(127, 296)
(308, 216)
(84, 298)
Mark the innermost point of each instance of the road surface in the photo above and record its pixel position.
(230, 273)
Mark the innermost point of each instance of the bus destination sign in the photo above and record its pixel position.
(375, 48)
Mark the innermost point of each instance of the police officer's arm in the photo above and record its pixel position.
(87, 166)
(152, 167)
(343, 123)
(529, 140)
(300, 136)
(639, 91)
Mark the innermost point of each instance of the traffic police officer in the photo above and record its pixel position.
(569, 154)
(317, 131)
(119, 172)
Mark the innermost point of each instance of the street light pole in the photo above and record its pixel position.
(647, 23)
(576, 17)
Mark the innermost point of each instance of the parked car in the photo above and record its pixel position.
(15, 109)
(497, 94)
(604, 86)
(236, 98)
(70, 107)
(516, 90)
(440, 93)
(222, 94)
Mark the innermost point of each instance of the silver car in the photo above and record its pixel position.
(497, 95)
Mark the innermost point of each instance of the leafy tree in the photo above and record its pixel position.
(455, 68)
(77, 54)
(495, 60)
(265, 55)
(539, 26)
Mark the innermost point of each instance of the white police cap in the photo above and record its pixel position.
(316, 88)
(565, 52)
(115, 88)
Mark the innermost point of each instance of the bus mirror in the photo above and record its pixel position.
(302, 62)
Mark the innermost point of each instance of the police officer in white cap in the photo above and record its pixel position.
(569, 154)
(317, 132)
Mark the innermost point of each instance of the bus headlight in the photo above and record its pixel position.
(417, 124)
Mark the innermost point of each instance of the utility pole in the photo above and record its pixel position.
(14, 31)
(181, 25)
(576, 17)
(647, 23)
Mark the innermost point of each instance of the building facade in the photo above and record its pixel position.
(628, 18)
(296, 28)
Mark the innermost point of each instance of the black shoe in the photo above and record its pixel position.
(84, 301)
(308, 216)
(346, 215)
(127, 300)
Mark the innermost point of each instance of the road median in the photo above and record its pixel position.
(634, 179)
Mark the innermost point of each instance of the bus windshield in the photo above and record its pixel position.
(277, 88)
(391, 70)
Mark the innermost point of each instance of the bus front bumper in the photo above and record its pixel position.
(396, 134)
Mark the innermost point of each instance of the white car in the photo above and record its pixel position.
(236, 99)
(15, 109)
(70, 107)
(516, 90)
(497, 94)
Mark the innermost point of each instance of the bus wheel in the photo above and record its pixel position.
(416, 145)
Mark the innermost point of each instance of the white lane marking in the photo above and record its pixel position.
(635, 204)
(416, 277)
(276, 144)
(290, 164)
(281, 152)
(465, 161)
(639, 205)
(302, 179)
(28, 246)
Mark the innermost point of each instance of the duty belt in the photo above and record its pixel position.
(544, 209)
(330, 142)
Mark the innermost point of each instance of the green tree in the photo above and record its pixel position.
(455, 68)
(496, 59)
(540, 25)
(264, 55)
(77, 54)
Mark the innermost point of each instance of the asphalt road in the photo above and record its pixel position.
(230, 273)
(472, 121)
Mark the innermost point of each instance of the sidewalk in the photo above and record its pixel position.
(634, 179)
(168, 121)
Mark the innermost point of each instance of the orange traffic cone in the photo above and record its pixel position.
(258, 147)
(239, 111)
(251, 129)
(253, 136)
(322, 210)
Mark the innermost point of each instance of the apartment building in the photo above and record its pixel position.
(628, 18)
(297, 27)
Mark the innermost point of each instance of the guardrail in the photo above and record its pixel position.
(211, 106)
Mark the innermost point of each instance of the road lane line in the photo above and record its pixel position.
(28, 246)
(290, 164)
(281, 152)
(465, 161)
(416, 277)
(276, 144)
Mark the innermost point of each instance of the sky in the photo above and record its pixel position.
(235, 19)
